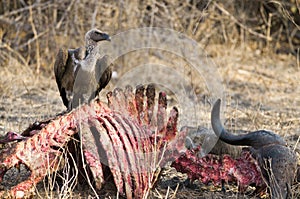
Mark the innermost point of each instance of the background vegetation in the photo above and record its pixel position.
(32, 31)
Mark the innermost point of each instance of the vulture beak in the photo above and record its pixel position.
(106, 37)
(96, 35)
(100, 36)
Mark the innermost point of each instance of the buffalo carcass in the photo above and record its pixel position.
(266, 160)
(128, 138)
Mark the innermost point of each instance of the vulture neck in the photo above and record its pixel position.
(89, 49)
(89, 62)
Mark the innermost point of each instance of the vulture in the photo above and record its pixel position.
(82, 73)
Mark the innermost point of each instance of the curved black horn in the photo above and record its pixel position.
(255, 139)
(215, 118)
(220, 131)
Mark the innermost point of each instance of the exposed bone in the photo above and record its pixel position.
(196, 135)
(111, 137)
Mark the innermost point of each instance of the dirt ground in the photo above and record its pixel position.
(262, 92)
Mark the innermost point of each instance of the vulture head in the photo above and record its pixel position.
(93, 36)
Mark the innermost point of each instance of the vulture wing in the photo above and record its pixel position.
(65, 67)
(103, 72)
(60, 67)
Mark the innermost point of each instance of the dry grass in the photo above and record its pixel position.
(256, 46)
(32, 31)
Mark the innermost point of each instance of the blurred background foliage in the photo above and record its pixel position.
(32, 31)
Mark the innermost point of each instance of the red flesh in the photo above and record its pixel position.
(132, 137)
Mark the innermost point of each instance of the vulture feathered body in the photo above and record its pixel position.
(82, 73)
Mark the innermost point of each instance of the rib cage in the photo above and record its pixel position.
(121, 129)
